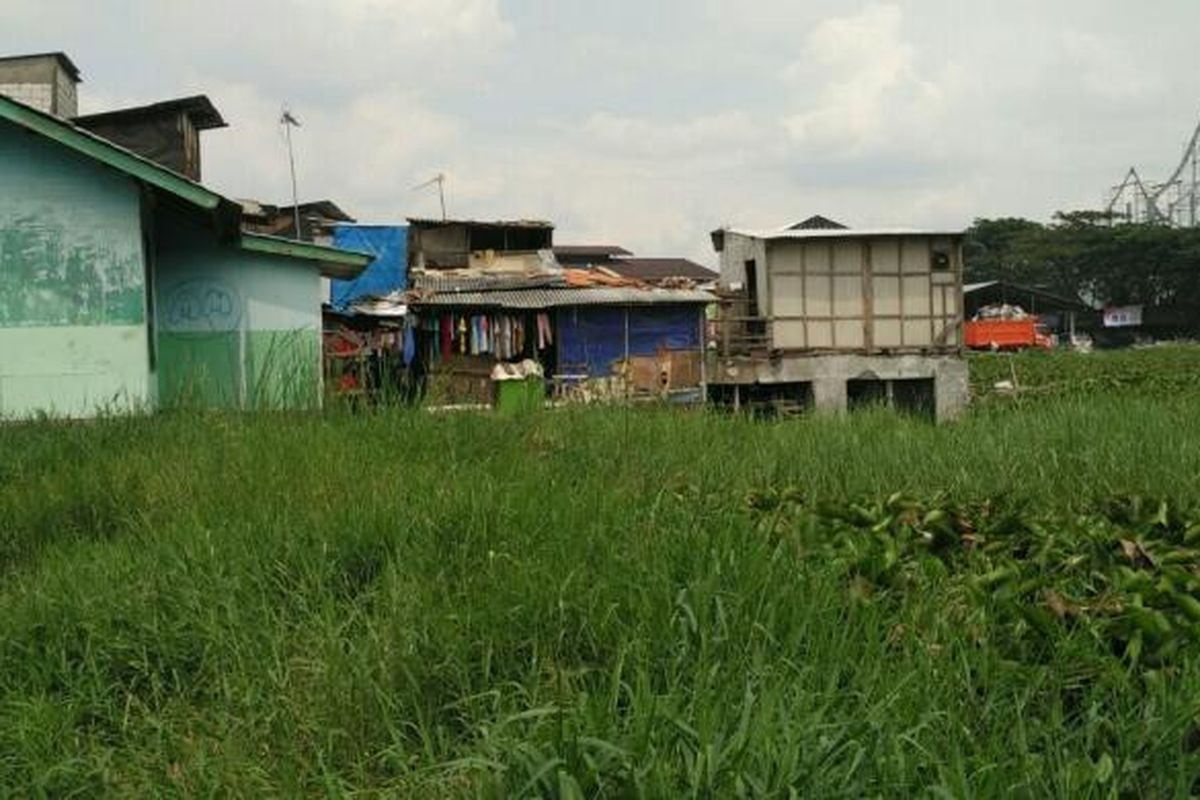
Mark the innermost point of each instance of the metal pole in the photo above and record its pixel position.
(292, 166)
(288, 120)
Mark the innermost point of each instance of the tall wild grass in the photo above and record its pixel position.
(567, 604)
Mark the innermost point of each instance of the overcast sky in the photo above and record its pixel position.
(648, 123)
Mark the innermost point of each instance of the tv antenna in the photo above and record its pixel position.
(440, 180)
(288, 121)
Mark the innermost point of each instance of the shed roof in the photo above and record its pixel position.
(559, 297)
(590, 250)
(654, 269)
(1012, 290)
(198, 108)
(838, 233)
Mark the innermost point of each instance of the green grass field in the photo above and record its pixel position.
(614, 603)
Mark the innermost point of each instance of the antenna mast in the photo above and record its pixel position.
(288, 122)
(440, 180)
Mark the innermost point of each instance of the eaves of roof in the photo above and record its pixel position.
(109, 154)
(534, 299)
(227, 214)
(333, 262)
(838, 233)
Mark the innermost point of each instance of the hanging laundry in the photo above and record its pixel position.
(544, 337)
(463, 337)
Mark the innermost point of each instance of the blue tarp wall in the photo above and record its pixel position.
(594, 336)
(387, 273)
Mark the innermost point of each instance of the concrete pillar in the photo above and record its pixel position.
(951, 389)
(829, 395)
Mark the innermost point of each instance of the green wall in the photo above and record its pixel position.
(73, 336)
(235, 328)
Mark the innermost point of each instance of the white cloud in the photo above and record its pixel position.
(861, 90)
(650, 124)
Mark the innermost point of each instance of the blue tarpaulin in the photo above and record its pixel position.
(593, 337)
(387, 273)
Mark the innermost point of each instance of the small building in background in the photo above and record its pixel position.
(167, 132)
(817, 314)
(45, 81)
(318, 219)
(484, 294)
(126, 286)
(498, 246)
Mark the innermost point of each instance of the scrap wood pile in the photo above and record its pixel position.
(1126, 574)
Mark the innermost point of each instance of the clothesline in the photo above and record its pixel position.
(506, 336)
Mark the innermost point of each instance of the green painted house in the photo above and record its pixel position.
(127, 287)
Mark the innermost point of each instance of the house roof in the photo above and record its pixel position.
(837, 233)
(816, 223)
(198, 108)
(564, 297)
(590, 250)
(64, 61)
(112, 155)
(225, 213)
(326, 208)
(1015, 290)
(426, 222)
(654, 269)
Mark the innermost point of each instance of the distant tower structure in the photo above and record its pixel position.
(1174, 201)
(46, 81)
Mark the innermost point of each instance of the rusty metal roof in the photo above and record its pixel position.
(436, 282)
(534, 299)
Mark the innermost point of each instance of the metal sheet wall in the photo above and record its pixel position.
(594, 338)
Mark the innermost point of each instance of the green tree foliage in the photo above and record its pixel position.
(1081, 254)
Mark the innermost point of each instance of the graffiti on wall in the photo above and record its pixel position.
(202, 306)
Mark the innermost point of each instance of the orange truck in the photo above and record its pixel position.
(1008, 334)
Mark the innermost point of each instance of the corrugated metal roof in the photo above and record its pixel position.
(480, 223)
(837, 233)
(433, 282)
(533, 299)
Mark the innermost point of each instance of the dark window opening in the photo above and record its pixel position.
(516, 239)
(916, 396)
(939, 260)
(755, 327)
(866, 393)
(763, 400)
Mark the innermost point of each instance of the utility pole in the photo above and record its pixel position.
(288, 122)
